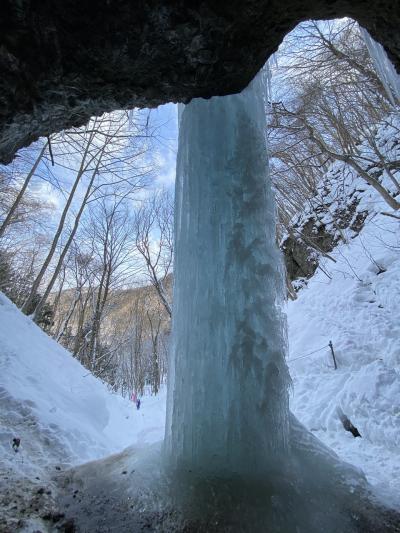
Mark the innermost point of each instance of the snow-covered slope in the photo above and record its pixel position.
(342, 203)
(354, 302)
(62, 414)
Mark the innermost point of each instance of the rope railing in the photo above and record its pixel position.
(302, 356)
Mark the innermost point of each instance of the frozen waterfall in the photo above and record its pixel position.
(234, 456)
(228, 399)
(384, 67)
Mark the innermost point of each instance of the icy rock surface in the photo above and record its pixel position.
(227, 400)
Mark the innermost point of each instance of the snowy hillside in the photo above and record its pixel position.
(342, 203)
(358, 309)
(353, 300)
(62, 414)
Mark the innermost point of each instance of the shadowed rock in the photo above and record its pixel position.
(62, 61)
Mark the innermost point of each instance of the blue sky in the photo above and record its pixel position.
(166, 143)
(163, 121)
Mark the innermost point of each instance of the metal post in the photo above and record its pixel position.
(333, 354)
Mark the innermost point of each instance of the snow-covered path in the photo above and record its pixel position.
(358, 309)
(62, 415)
(59, 410)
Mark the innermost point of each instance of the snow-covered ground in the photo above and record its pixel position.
(358, 309)
(62, 414)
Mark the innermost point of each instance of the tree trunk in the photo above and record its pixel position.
(18, 199)
(60, 262)
(68, 316)
(39, 277)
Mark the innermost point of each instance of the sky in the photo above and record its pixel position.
(163, 122)
(166, 143)
(53, 183)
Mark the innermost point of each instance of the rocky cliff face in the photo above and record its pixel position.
(318, 232)
(62, 61)
(340, 207)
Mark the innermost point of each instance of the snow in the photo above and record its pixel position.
(62, 413)
(358, 309)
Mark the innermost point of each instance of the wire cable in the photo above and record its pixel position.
(308, 354)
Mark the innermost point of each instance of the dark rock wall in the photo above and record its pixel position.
(62, 61)
(317, 232)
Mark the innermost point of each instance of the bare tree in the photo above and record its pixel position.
(155, 322)
(107, 162)
(86, 162)
(110, 230)
(328, 103)
(18, 199)
(153, 229)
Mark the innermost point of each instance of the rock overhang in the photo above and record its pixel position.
(62, 61)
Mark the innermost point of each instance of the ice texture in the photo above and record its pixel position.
(227, 405)
(384, 67)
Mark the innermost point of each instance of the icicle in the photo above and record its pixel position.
(266, 74)
(384, 67)
(181, 107)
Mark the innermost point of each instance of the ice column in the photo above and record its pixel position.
(384, 67)
(227, 394)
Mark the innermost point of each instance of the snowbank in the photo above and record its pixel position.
(61, 413)
(358, 308)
